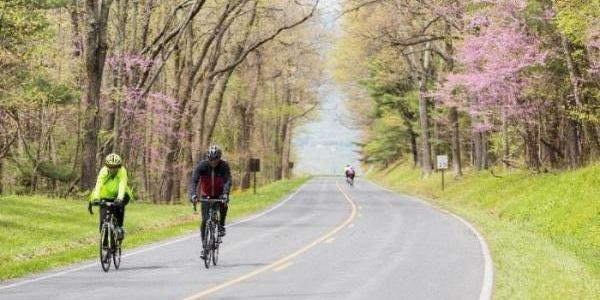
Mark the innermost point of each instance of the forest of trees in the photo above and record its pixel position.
(489, 82)
(155, 81)
(512, 83)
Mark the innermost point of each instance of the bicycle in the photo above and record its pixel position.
(110, 244)
(350, 181)
(212, 240)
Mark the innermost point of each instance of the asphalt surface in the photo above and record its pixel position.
(326, 241)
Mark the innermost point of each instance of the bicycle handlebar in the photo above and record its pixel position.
(207, 200)
(107, 202)
(212, 200)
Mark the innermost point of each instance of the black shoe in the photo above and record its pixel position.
(221, 230)
(120, 233)
(203, 254)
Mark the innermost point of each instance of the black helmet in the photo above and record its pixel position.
(213, 152)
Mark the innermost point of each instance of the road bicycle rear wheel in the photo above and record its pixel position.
(105, 249)
(215, 252)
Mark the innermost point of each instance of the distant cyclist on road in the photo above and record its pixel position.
(111, 185)
(211, 179)
(349, 171)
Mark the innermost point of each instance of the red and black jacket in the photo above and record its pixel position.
(210, 182)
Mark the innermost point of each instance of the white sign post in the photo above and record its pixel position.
(442, 164)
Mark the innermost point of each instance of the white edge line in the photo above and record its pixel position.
(19, 283)
(488, 271)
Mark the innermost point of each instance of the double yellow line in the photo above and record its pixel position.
(285, 259)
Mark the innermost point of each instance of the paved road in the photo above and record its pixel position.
(327, 241)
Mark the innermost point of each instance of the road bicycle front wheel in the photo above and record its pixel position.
(105, 248)
(116, 251)
(211, 243)
(206, 244)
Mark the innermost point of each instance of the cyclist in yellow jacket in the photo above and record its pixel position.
(111, 185)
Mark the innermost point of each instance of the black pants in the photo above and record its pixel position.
(118, 211)
(222, 207)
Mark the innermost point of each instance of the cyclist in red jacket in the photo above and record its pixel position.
(211, 179)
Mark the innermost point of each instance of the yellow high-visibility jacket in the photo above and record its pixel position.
(108, 187)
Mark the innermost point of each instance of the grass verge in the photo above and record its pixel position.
(40, 233)
(543, 230)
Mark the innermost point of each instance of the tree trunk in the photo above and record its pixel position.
(571, 68)
(243, 146)
(573, 143)
(455, 142)
(218, 105)
(413, 137)
(531, 149)
(283, 160)
(477, 149)
(246, 113)
(287, 169)
(573, 139)
(435, 142)
(453, 112)
(480, 149)
(96, 48)
(424, 119)
(1, 175)
(505, 141)
(423, 114)
(413, 146)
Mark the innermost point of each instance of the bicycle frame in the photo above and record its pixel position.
(109, 222)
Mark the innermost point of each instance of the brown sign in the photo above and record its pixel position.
(254, 165)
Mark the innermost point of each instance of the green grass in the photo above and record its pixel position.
(39, 233)
(543, 230)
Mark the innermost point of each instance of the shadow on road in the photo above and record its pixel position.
(126, 269)
(242, 265)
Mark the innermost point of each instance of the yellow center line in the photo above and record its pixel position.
(283, 260)
(289, 263)
(329, 240)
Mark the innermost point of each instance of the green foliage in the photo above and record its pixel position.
(23, 30)
(385, 146)
(57, 172)
(40, 89)
(576, 17)
(390, 86)
(21, 22)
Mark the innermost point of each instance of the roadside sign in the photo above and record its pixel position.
(254, 165)
(442, 162)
